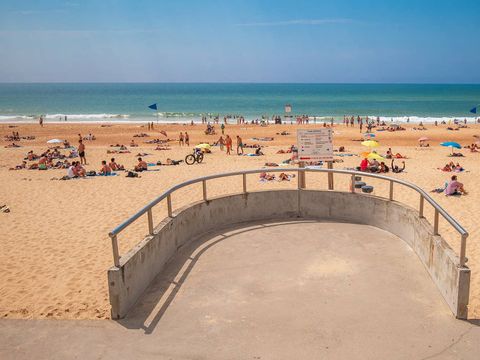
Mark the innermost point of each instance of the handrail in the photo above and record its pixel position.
(301, 171)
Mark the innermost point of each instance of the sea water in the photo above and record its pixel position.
(185, 102)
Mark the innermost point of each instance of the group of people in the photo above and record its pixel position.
(184, 139)
(228, 143)
(452, 167)
(374, 166)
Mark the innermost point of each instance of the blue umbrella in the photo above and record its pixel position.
(451, 144)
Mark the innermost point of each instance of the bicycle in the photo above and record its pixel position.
(196, 156)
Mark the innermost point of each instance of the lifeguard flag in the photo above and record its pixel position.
(153, 106)
(474, 110)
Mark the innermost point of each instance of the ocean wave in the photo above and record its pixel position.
(87, 116)
(62, 116)
(424, 119)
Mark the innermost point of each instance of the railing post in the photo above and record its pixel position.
(116, 256)
(435, 223)
(150, 222)
(391, 191)
(169, 205)
(463, 249)
(204, 186)
(352, 179)
(244, 183)
(422, 200)
(330, 175)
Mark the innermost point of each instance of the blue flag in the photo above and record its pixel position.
(474, 110)
(153, 106)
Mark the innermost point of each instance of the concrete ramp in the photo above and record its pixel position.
(301, 289)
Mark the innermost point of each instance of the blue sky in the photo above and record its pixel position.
(240, 41)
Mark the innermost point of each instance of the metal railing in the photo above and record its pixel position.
(301, 176)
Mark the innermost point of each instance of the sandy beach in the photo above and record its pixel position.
(54, 226)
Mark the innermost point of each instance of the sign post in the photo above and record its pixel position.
(315, 145)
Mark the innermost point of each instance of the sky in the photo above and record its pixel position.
(322, 41)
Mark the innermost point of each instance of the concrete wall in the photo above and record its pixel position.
(144, 262)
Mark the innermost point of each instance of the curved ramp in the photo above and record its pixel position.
(303, 289)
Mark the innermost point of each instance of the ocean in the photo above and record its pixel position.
(184, 102)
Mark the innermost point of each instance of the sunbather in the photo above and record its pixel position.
(141, 166)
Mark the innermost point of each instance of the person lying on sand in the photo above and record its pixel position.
(285, 177)
(396, 169)
(141, 166)
(455, 187)
(266, 177)
(23, 165)
(132, 144)
(159, 147)
(12, 145)
(169, 162)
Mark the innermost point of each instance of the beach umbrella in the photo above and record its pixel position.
(375, 156)
(451, 145)
(370, 143)
(203, 146)
(55, 141)
(424, 138)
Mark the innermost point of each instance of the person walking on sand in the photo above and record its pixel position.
(81, 152)
(223, 128)
(228, 143)
(180, 139)
(239, 145)
(187, 139)
(221, 142)
(40, 121)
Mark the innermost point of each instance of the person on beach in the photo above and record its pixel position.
(180, 139)
(105, 169)
(221, 143)
(455, 187)
(81, 152)
(40, 121)
(239, 145)
(228, 144)
(364, 165)
(141, 166)
(114, 166)
(223, 127)
(79, 170)
(396, 169)
(187, 139)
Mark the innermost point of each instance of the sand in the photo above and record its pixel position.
(55, 244)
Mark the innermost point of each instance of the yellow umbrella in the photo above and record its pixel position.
(375, 156)
(203, 146)
(370, 143)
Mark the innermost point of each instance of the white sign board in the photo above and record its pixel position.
(315, 145)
